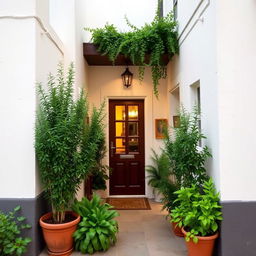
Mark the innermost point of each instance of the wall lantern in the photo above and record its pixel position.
(127, 77)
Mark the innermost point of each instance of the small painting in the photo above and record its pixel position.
(176, 121)
(160, 125)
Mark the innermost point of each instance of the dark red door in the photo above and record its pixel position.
(126, 147)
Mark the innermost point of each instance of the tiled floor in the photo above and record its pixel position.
(144, 233)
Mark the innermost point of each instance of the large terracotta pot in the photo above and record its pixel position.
(204, 247)
(177, 230)
(58, 237)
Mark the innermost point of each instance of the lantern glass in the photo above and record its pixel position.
(127, 78)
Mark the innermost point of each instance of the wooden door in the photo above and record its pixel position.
(126, 147)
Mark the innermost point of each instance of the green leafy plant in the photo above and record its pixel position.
(160, 179)
(154, 39)
(169, 196)
(66, 145)
(199, 211)
(97, 229)
(100, 171)
(186, 159)
(159, 171)
(11, 240)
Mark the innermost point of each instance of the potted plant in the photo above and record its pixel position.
(66, 147)
(186, 159)
(97, 230)
(159, 173)
(99, 172)
(199, 213)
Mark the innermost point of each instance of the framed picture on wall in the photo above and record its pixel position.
(160, 125)
(176, 121)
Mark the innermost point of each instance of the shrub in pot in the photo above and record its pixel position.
(99, 172)
(159, 173)
(11, 240)
(97, 229)
(182, 148)
(199, 213)
(66, 147)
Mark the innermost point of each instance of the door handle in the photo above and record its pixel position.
(112, 148)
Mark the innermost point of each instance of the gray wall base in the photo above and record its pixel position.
(237, 233)
(32, 209)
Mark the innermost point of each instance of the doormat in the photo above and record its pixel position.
(129, 203)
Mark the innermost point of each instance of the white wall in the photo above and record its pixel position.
(105, 83)
(237, 104)
(218, 49)
(27, 55)
(17, 106)
(197, 62)
(97, 13)
(67, 18)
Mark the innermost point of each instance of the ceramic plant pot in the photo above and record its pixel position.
(58, 237)
(177, 230)
(204, 247)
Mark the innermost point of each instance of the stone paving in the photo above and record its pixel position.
(144, 233)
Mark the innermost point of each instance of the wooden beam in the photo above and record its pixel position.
(94, 58)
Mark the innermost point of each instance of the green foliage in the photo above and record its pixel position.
(159, 171)
(187, 162)
(160, 180)
(169, 196)
(97, 229)
(156, 38)
(11, 241)
(99, 170)
(66, 146)
(198, 210)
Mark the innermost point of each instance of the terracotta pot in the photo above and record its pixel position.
(58, 237)
(177, 230)
(204, 247)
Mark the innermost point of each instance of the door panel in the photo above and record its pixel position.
(127, 152)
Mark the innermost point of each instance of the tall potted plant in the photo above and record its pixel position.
(159, 173)
(199, 213)
(186, 158)
(100, 170)
(66, 147)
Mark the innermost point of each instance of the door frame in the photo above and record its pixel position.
(146, 102)
(139, 158)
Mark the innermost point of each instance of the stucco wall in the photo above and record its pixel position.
(26, 57)
(97, 13)
(197, 62)
(17, 107)
(237, 78)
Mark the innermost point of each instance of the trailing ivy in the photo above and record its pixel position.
(156, 38)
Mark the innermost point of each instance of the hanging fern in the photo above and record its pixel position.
(157, 38)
